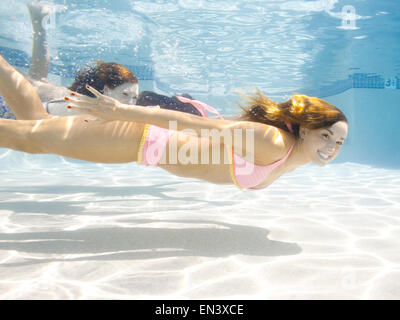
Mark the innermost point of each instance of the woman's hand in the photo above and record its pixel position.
(101, 106)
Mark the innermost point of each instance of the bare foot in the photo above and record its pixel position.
(39, 10)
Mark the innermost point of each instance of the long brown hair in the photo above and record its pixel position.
(108, 74)
(300, 110)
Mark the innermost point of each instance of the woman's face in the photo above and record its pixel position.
(126, 93)
(323, 145)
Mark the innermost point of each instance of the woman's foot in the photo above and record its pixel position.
(39, 10)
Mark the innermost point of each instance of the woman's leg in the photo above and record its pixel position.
(40, 49)
(73, 137)
(19, 94)
(111, 142)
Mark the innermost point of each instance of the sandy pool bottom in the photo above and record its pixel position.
(72, 230)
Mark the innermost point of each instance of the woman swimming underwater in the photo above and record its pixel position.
(111, 79)
(284, 135)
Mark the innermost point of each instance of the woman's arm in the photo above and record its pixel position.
(109, 109)
(40, 49)
(265, 137)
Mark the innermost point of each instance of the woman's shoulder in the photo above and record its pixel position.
(271, 144)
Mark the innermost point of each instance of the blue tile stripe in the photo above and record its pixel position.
(20, 59)
(374, 81)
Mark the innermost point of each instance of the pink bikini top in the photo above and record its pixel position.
(247, 175)
(244, 174)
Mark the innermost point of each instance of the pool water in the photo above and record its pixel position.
(71, 229)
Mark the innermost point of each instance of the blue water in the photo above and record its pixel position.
(210, 48)
(76, 230)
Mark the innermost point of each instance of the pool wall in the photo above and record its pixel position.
(374, 133)
(369, 101)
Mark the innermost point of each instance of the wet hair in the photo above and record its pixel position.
(301, 110)
(108, 74)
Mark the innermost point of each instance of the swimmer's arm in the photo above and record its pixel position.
(251, 138)
(264, 135)
(109, 109)
(169, 118)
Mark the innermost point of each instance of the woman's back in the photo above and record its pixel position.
(48, 91)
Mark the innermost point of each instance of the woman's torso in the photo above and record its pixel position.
(215, 169)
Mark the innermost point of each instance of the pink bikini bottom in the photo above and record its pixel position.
(155, 139)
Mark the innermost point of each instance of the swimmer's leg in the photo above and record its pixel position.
(73, 137)
(40, 49)
(19, 94)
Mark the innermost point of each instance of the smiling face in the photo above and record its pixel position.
(323, 145)
(126, 93)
